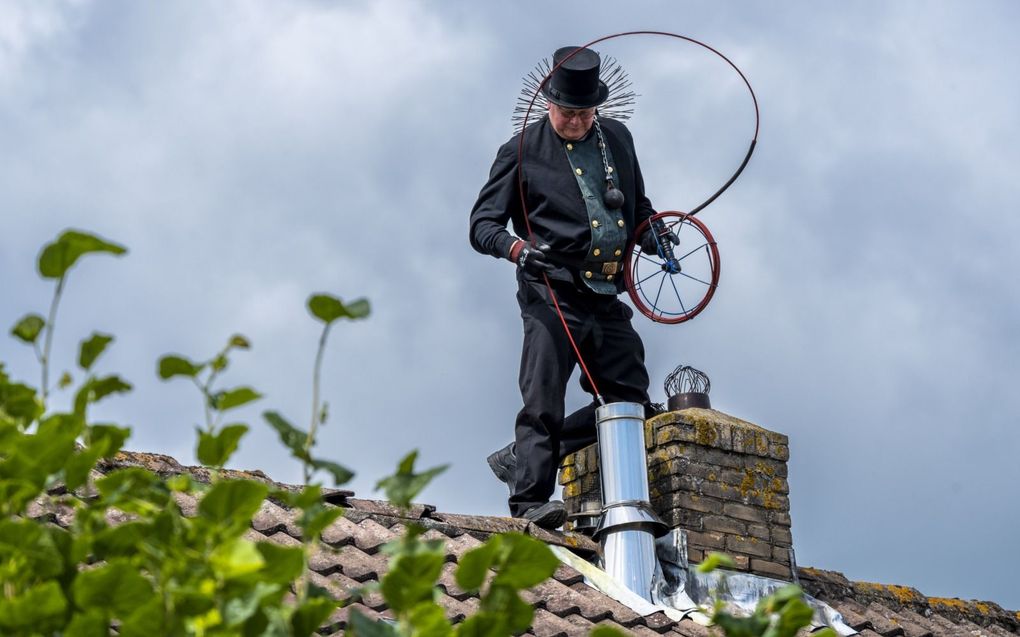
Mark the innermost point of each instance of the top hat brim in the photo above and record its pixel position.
(576, 101)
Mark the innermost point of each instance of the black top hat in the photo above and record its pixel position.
(576, 83)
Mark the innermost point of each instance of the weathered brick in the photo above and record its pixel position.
(719, 490)
(741, 562)
(779, 485)
(777, 502)
(781, 554)
(568, 474)
(772, 569)
(685, 518)
(782, 536)
(724, 524)
(568, 460)
(695, 556)
(780, 452)
(673, 483)
(685, 500)
(707, 539)
(675, 433)
(750, 441)
(572, 490)
(717, 457)
(748, 545)
(745, 512)
(759, 531)
(665, 453)
(782, 518)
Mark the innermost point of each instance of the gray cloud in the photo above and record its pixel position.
(252, 153)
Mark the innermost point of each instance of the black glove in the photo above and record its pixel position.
(650, 243)
(532, 259)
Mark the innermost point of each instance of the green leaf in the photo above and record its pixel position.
(116, 586)
(26, 544)
(795, 614)
(104, 441)
(232, 398)
(429, 620)
(317, 517)
(328, 308)
(310, 615)
(232, 502)
(91, 348)
(96, 389)
(716, 560)
(606, 631)
(291, 437)
(236, 558)
(58, 257)
(241, 608)
(411, 579)
(132, 488)
(238, 341)
(16, 493)
(525, 562)
(65, 381)
(39, 609)
(89, 624)
(283, 564)
(28, 328)
(215, 449)
(173, 365)
(145, 621)
(20, 403)
(341, 474)
(361, 626)
(35, 457)
(405, 485)
(121, 540)
(474, 565)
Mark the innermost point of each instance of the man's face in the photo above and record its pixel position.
(571, 123)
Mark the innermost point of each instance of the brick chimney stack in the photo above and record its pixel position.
(720, 478)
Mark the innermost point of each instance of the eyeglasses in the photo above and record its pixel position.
(580, 113)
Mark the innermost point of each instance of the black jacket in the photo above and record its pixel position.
(556, 208)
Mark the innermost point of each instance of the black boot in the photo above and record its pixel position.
(503, 464)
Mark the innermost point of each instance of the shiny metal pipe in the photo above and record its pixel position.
(622, 460)
(628, 526)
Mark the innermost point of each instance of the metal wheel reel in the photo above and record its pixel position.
(676, 284)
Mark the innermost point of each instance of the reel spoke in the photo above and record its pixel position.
(699, 276)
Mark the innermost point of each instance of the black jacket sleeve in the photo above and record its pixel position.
(498, 202)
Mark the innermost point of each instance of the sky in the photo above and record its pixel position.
(250, 154)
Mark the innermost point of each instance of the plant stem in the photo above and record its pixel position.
(310, 440)
(50, 322)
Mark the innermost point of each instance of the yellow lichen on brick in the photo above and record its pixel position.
(948, 603)
(567, 474)
(768, 470)
(572, 490)
(706, 433)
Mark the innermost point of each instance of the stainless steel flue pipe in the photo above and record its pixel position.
(629, 526)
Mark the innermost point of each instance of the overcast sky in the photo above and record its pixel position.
(252, 153)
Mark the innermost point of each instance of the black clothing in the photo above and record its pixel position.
(600, 323)
(556, 208)
(614, 355)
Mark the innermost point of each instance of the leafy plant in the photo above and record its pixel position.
(126, 558)
(780, 614)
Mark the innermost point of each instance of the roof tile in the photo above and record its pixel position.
(547, 624)
(271, 518)
(876, 614)
(385, 508)
(359, 566)
(563, 601)
(621, 614)
(659, 622)
(448, 582)
(853, 614)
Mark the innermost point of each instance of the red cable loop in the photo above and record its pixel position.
(520, 162)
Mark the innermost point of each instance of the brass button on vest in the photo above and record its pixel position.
(570, 147)
(609, 277)
(587, 275)
(595, 222)
(621, 223)
(596, 252)
(579, 171)
(618, 252)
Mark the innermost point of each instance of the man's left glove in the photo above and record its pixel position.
(531, 258)
(650, 243)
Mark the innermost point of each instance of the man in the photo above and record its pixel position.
(584, 198)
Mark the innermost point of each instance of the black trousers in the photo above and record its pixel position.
(615, 357)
